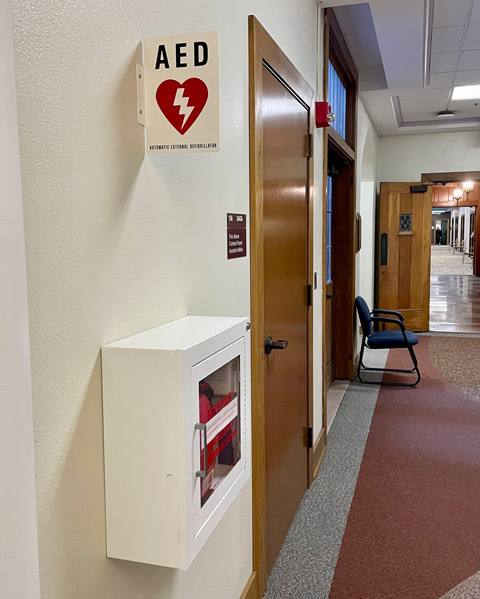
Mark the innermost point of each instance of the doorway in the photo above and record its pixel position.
(281, 186)
(455, 272)
(441, 231)
(338, 182)
(454, 290)
(340, 79)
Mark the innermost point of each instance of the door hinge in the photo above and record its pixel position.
(308, 145)
(310, 437)
(309, 295)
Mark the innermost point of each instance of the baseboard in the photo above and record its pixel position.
(319, 450)
(250, 591)
(355, 363)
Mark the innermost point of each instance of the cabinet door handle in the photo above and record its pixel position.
(202, 427)
(271, 344)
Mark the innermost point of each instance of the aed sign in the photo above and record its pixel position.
(181, 93)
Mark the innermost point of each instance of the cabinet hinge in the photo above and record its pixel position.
(309, 295)
(309, 437)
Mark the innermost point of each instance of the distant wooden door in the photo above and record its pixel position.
(285, 213)
(404, 252)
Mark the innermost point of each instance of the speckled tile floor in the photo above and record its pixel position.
(463, 371)
(447, 262)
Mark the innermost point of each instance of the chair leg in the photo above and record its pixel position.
(391, 384)
(360, 362)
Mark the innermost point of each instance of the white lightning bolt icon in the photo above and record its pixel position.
(182, 103)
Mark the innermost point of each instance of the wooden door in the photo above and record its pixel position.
(404, 252)
(285, 193)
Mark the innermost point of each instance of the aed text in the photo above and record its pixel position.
(198, 54)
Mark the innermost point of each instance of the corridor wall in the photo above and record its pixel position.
(406, 157)
(18, 529)
(118, 242)
(367, 177)
(366, 190)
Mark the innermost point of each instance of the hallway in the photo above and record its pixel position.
(454, 293)
(374, 523)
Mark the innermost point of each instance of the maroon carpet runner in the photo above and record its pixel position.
(413, 531)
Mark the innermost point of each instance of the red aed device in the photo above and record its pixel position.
(323, 114)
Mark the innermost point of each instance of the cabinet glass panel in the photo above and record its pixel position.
(219, 409)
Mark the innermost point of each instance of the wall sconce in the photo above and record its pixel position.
(457, 194)
(468, 188)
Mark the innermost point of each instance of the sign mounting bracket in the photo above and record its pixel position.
(140, 74)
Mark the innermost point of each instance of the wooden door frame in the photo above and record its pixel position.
(476, 254)
(264, 53)
(336, 50)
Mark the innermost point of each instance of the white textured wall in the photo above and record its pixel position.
(367, 143)
(118, 242)
(406, 157)
(18, 531)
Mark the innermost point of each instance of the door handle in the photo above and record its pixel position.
(271, 344)
(202, 427)
(383, 249)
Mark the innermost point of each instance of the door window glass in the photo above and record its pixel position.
(405, 223)
(219, 401)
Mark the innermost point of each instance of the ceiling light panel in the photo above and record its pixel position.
(466, 92)
(448, 13)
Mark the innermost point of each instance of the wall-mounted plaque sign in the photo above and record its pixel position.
(236, 235)
(178, 93)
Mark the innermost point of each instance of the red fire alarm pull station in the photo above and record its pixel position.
(323, 114)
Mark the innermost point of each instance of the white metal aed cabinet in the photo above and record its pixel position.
(176, 405)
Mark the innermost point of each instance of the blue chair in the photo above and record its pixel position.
(375, 339)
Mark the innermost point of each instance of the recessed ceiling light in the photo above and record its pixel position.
(445, 114)
(466, 92)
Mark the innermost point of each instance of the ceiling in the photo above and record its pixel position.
(400, 90)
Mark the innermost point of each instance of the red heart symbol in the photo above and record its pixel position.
(182, 103)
